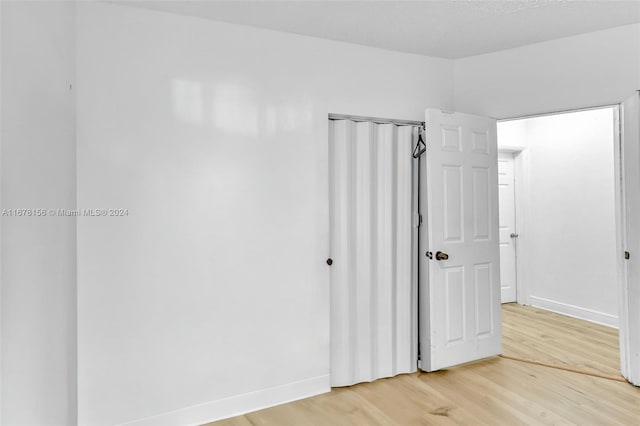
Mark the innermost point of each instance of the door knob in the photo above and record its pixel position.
(514, 235)
(441, 256)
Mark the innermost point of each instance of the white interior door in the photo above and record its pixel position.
(459, 296)
(629, 315)
(373, 309)
(507, 227)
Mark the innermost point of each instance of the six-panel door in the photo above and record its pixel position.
(460, 296)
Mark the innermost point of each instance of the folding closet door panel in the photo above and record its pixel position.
(373, 319)
(384, 280)
(405, 257)
(342, 364)
(363, 268)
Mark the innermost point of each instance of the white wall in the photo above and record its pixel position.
(38, 253)
(568, 232)
(599, 68)
(214, 136)
(512, 135)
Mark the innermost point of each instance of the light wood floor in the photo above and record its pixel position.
(555, 339)
(496, 391)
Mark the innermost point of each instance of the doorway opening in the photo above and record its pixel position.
(558, 177)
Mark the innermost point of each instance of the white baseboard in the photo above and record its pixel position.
(239, 404)
(574, 311)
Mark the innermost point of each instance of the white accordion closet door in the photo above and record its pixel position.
(373, 296)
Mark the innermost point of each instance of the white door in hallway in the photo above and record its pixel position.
(507, 227)
(460, 318)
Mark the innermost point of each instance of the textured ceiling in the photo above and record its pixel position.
(448, 29)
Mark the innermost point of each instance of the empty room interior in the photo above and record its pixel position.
(319, 212)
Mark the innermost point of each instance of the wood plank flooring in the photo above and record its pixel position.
(559, 340)
(496, 391)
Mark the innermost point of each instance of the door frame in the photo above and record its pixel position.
(621, 239)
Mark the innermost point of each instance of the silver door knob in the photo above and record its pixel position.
(514, 235)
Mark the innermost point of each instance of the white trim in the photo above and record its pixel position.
(621, 242)
(238, 404)
(563, 111)
(1, 231)
(575, 311)
(628, 284)
(510, 149)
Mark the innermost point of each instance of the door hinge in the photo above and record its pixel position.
(626, 255)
